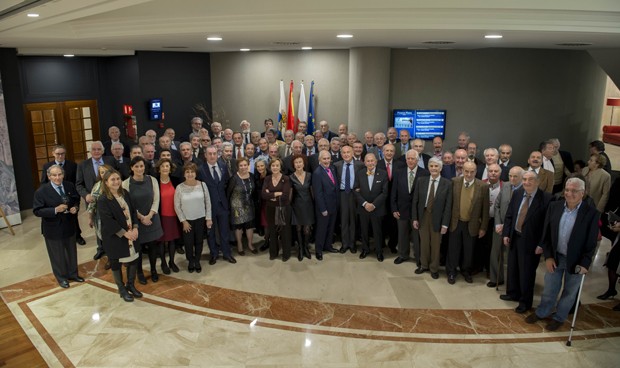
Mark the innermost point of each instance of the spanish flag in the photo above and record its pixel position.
(290, 116)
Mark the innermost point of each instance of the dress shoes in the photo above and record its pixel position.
(80, 240)
(393, 250)
(521, 309)
(468, 278)
(343, 250)
(191, 268)
(254, 251)
(420, 270)
(165, 269)
(212, 260)
(77, 279)
(363, 254)
(507, 298)
(319, 256)
(492, 284)
(332, 250)
(230, 259)
(451, 279)
(154, 276)
(180, 250)
(99, 254)
(284, 259)
(553, 325)
(141, 279)
(532, 318)
(399, 260)
(241, 253)
(173, 266)
(64, 284)
(435, 275)
(354, 250)
(264, 247)
(609, 294)
(380, 257)
(198, 267)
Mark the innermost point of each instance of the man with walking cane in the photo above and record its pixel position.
(568, 242)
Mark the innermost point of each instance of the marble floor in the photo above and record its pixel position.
(341, 312)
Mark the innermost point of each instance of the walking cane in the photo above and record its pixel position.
(572, 327)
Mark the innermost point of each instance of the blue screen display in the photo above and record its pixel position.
(155, 109)
(422, 124)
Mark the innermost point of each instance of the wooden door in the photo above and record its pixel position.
(74, 124)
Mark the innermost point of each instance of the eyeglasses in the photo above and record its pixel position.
(60, 153)
(572, 191)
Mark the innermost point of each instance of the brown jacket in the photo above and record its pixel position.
(545, 180)
(479, 210)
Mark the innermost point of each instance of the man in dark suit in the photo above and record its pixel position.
(389, 165)
(401, 198)
(115, 136)
(562, 165)
(309, 148)
(287, 162)
(216, 178)
(470, 209)
(122, 162)
(568, 242)
(505, 162)
(313, 161)
(491, 156)
(346, 169)
(86, 177)
(403, 145)
(327, 134)
(523, 228)
(326, 198)
(431, 212)
(502, 202)
(371, 187)
(418, 145)
(57, 204)
(369, 143)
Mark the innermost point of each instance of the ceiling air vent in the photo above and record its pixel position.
(438, 42)
(574, 44)
(286, 43)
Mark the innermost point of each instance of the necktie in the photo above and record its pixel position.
(96, 165)
(60, 191)
(523, 212)
(347, 179)
(467, 185)
(331, 177)
(62, 164)
(431, 195)
(288, 151)
(247, 138)
(239, 154)
(389, 171)
(411, 179)
(381, 154)
(215, 175)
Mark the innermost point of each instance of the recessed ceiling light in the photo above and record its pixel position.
(306, 48)
(68, 55)
(214, 38)
(244, 49)
(493, 36)
(32, 15)
(345, 36)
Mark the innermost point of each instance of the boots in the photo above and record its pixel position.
(306, 247)
(153, 261)
(171, 251)
(164, 265)
(131, 277)
(300, 246)
(118, 278)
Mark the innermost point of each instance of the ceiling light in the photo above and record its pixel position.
(68, 55)
(345, 36)
(493, 36)
(32, 15)
(307, 48)
(214, 38)
(244, 49)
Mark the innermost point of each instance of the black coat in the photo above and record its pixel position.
(69, 167)
(400, 198)
(54, 225)
(532, 230)
(377, 195)
(112, 222)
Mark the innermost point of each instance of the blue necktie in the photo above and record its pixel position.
(347, 180)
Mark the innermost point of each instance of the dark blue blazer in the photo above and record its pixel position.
(448, 171)
(400, 198)
(377, 195)
(532, 230)
(326, 193)
(217, 190)
(54, 225)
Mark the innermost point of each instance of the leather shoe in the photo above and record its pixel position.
(468, 278)
(420, 270)
(507, 298)
(553, 325)
(264, 247)
(141, 279)
(212, 260)
(99, 254)
(64, 284)
(154, 276)
(190, 268)
(80, 240)
(451, 279)
(608, 295)
(521, 309)
(354, 250)
(319, 256)
(343, 249)
(532, 318)
(435, 275)
(363, 254)
(198, 267)
(230, 259)
(180, 250)
(380, 257)
(399, 260)
(332, 250)
(77, 279)
(492, 284)
(393, 250)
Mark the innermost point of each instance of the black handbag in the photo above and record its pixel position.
(280, 215)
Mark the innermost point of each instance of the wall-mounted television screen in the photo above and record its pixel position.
(423, 124)
(155, 109)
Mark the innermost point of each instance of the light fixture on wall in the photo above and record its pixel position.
(345, 36)
(214, 38)
(493, 36)
(613, 102)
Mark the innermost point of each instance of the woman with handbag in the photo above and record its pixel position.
(144, 193)
(119, 233)
(276, 193)
(192, 205)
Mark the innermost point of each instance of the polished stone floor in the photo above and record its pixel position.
(341, 312)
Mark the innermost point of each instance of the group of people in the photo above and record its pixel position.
(164, 196)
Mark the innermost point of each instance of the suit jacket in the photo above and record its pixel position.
(231, 166)
(533, 225)
(54, 225)
(305, 150)
(313, 162)
(287, 165)
(329, 135)
(399, 149)
(282, 150)
(479, 209)
(545, 180)
(425, 157)
(501, 203)
(123, 168)
(326, 193)
(69, 167)
(567, 158)
(442, 205)
(86, 177)
(400, 198)
(506, 170)
(340, 168)
(374, 150)
(582, 241)
(335, 156)
(114, 225)
(598, 184)
(217, 189)
(377, 195)
(448, 171)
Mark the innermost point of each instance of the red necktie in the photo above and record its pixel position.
(239, 155)
(389, 172)
(331, 177)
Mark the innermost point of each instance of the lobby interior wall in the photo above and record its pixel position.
(245, 85)
(518, 96)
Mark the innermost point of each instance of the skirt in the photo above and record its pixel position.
(171, 227)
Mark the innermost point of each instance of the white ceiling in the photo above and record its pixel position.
(120, 27)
